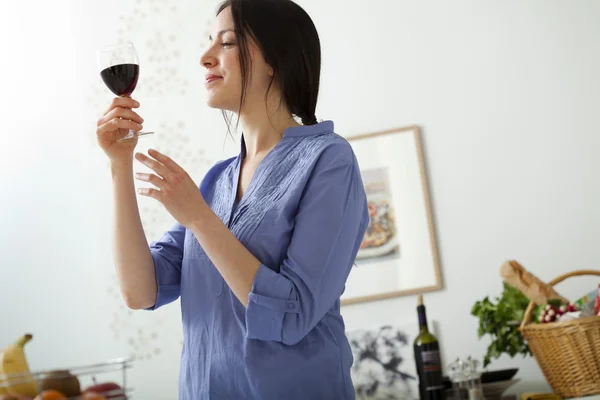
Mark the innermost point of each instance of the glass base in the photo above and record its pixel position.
(132, 135)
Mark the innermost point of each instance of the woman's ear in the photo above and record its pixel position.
(271, 73)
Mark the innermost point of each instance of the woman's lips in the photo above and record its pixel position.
(212, 78)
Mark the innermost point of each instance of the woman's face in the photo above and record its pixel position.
(223, 74)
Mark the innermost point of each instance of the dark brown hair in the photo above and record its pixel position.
(289, 43)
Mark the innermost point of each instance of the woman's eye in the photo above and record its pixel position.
(227, 44)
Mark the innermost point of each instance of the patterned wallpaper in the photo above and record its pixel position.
(168, 28)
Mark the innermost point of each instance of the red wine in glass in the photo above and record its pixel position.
(120, 69)
(121, 79)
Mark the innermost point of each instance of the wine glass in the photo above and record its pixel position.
(120, 68)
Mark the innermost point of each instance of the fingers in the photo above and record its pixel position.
(123, 102)
(151, 178)
(167, 161)
(114, 124)
(154, 165)
(169, 170)
(149, 192)
(121, 108)
(123, 113)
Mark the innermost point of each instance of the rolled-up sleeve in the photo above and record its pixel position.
(167, 254)
(329, 226)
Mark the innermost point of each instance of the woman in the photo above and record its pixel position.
(262, 248)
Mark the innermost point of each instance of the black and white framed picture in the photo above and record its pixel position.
(384, 364)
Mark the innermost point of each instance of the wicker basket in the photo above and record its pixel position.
(568, 353)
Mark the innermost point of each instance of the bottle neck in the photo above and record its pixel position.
(422, 319)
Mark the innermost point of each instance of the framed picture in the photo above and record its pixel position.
(398, 255)
(384, 364)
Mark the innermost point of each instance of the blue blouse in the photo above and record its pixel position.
(303, 216)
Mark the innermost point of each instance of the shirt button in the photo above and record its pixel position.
(291, 305)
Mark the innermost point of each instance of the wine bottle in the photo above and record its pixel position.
(427, 359)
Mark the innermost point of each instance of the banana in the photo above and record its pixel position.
(14, 362)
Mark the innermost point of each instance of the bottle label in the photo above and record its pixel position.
(431, 370)
(431, 361)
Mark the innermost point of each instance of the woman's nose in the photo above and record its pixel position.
(207, 60)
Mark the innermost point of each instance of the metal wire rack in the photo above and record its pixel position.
(87, 375)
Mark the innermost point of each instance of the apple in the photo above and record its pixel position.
(91, 396)
(110, 390)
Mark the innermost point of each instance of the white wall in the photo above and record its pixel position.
(506, 93)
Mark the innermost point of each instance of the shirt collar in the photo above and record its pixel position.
(298, 131)
(309, 130)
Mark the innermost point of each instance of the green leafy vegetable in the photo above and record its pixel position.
(501, 320)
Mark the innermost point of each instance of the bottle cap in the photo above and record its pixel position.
(420, 300)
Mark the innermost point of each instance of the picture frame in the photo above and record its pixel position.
(384, 364)
(399, 254)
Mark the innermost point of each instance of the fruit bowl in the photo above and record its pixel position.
(498, 375)
(495, 390)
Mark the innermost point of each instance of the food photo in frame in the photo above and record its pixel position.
(398, 255)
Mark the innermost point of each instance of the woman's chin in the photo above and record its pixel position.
(217, 104)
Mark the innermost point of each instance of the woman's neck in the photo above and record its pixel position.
(262, 133)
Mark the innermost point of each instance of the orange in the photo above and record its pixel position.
(50, 394)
